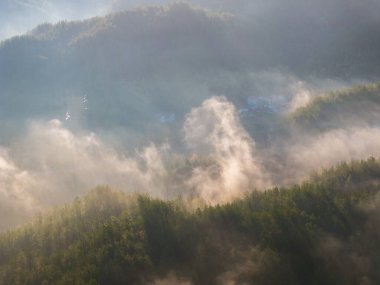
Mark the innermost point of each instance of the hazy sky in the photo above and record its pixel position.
(19, 16)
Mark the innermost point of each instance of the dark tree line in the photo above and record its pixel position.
(325, 231)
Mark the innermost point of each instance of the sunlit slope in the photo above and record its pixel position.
(321, 232)
(353, 107)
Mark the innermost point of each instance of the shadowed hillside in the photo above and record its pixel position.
(167, 59)
(356, 106)
(321, 232)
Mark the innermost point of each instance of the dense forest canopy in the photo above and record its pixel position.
(324, 231)
(237, 142)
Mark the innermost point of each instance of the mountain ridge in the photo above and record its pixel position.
(288, 235)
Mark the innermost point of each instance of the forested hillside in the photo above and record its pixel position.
(189, 142)
(167, 59)
(357, 106)
(324, 231)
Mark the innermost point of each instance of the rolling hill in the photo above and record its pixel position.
(349, 107)
(162, 60)
(324, 231)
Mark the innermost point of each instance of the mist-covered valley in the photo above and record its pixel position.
(202, 105)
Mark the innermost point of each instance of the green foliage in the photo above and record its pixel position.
(93, 241)
(324, 231)
(343, 107)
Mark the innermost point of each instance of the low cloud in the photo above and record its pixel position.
(330, 148)
(17, 189)
(171, 279)
(215, 129)
(302, 97)
(50, 165)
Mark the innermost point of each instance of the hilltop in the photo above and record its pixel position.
(348, 107)
(161, 61)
